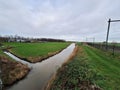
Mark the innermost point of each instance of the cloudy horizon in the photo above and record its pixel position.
(73, 20)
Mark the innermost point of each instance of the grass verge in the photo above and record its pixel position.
(78, 74)
(106, 65)
(91, 69)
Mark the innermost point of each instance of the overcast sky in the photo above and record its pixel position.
(64, 19)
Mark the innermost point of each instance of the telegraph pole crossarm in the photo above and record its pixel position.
(115, 21)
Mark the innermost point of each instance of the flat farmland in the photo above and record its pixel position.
(34, 52)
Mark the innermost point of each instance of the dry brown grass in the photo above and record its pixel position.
(12, 71)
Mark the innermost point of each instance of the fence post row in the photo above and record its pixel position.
(1, 84)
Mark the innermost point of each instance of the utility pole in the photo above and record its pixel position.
(108, 33)
(86, 39)
(93, 41)
(109, 21)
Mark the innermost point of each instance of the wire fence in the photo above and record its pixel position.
(114, 48)
(1, 84)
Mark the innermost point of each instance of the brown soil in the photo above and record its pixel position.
(12, 71)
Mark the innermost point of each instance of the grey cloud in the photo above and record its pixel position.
(66, 19)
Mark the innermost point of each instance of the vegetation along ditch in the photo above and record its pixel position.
(90, 69)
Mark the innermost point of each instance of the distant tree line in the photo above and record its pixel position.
(51, 40)
(17, 38)
(3, 39)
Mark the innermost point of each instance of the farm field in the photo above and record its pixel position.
(117, 44)
(91, 67)
(13, 70)
(34, 52)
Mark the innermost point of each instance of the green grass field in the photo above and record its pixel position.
(92, 65)
(35, 51)
(2, 54)
(107, 66)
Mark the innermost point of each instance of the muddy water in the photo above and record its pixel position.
(18, 59)
(42, 71)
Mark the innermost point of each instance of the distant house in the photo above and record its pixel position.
(11, 40)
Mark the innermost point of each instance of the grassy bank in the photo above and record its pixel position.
(12, 70)
(34, 52)
(106, 65)
(90, 69)
(78, 74)
(4, 55)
